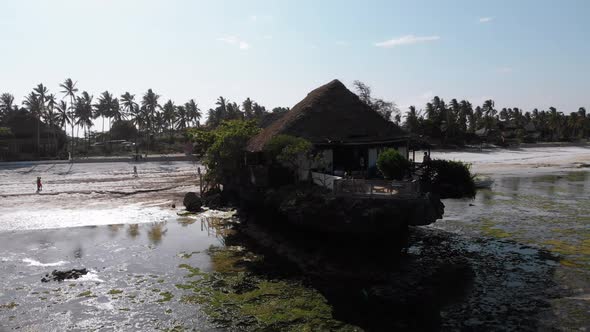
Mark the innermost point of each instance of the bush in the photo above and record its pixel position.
(392, 164)
(449, 179)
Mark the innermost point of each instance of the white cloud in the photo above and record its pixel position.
(235, 41)
(406, 40)
(485, 19)
(253, 18)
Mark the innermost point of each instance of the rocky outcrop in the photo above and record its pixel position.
(192, 202)
(312, 208)
(63, 275)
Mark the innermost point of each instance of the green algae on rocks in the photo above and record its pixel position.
(235, 298)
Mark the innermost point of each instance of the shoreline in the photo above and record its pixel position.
(102, 159)
(521, 146)
(521, 161)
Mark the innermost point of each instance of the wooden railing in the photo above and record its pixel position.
(377, 188)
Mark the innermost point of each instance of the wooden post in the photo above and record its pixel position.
(200, 181)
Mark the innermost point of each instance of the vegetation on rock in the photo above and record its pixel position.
(234, 298)
(224, 159)
(392, 164)
(449, 179)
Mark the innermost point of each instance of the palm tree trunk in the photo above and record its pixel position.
(38, 136)
(72, 147)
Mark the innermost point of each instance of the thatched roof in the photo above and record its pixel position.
(330, 114)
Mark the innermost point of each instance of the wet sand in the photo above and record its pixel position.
(521, 161)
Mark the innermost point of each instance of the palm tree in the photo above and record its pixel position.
(50, 117)
(69, 90)
(182, 118)
(32, 102)
(149, 105)
(6, 104)
(62, 115)
(169, 116)
(129, 104)
(554, 123)
(412, 120)
(41, 92)
(222, 107)
(107, 107)
(84, 113)
(193, 112)
(131, 109)
(248, 111)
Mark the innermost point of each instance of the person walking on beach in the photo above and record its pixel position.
(426, 159)
(135, 172)
(39, 184)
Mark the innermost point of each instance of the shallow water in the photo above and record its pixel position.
(526, 239)
(548, 212)
(123, 229)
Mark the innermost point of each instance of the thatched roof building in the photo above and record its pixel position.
(331, 115)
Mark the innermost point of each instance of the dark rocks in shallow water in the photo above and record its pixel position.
(63, 275)
(192, 202)
(214, 199)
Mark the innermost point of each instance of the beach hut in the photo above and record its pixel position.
(346, 133)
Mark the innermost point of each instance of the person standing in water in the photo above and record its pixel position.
(135, 172)
(39, 184)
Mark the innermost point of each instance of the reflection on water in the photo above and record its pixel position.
(115, 229)
(157, 232)
(133, 231)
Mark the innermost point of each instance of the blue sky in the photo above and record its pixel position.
(519, 53)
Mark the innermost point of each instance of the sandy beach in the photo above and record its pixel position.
(521, 160)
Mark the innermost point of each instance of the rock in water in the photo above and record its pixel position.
(63, 275)
(192, 202)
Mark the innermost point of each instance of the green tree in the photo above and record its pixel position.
(386, 109)
(225, 157)
(123, 129)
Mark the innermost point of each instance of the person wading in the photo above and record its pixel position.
(39, 184)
